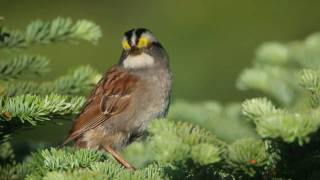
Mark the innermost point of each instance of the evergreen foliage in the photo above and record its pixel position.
(41, 32)
(23, 66)
(21, 111)
(25, 104)
(76, 82)
(210, 114)
(271, 137)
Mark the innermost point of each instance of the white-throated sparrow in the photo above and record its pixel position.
(128, 96)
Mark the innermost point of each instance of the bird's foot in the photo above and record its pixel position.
(119, 158)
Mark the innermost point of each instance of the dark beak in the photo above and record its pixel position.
(135, 51)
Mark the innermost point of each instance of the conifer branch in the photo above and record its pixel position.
(246, 154)
(174, 142)
(14, 171)
(22, 66)
(180, 141)
(85, 163)
(279, 123)
(19, 88)
(290, 127)
(6, 150)
(75, 83)
(41, 32)
(310, 80)
(277, 82)
(256, 108)
(27, 110)
(273, 53)
(210, 114)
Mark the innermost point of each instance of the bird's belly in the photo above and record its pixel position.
(150, 112)
(149, 102)
(101, 137)
(143, 111)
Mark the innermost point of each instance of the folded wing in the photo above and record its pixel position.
(110, 97)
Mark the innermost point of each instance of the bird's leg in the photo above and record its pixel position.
(119, 158)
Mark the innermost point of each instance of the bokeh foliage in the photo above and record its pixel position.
(257, 138)
(209, 41)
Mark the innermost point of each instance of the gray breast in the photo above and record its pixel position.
(152, 101)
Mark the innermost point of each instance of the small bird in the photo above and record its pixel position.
(128, 96)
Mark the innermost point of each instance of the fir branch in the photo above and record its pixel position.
(102, 171)
(247, 155)
(277, 82)
(6, 150)
(289, 126)
(191, 150)
(32, 109)
(279, 123)
(11, 39)
(205, 153)
(23, 66)
(14, 171)
(112, 171)
(277, 66)
(71, 163)
(256, 108)
(67, 159)
(77, 82)
(40, 32)
(273, 53)
(310, 80)
(19, 88)
(210, 114)
(175, 142)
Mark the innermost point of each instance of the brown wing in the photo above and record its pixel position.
(110, 97)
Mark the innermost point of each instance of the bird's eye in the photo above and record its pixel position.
(125, 44)
(143, 42)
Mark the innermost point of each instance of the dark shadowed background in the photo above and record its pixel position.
(209, 41)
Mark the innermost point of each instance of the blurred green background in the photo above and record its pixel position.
(209, 41)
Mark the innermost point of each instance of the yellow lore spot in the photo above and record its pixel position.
(125, 44)
(143, 42)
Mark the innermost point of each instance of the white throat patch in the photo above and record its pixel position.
(138, 61)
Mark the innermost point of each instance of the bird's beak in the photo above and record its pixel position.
(134, 48)
(135, 51)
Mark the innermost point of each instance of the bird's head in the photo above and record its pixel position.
(136, 40)
(141, 49)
